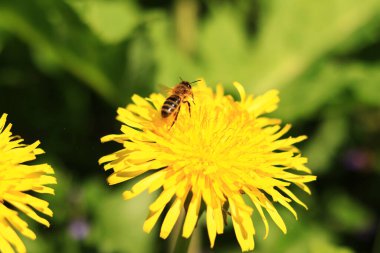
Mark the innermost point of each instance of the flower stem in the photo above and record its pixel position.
(182, 244)
(186, 20)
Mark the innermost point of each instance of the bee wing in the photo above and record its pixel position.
(164, 89)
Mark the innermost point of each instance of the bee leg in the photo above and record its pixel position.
(188, 105)
(175, 117)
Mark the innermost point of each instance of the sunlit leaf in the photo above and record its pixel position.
(111, 20)
(295, 34)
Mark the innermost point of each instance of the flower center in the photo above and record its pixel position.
(212, 140)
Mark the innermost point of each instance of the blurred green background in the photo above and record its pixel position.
(65, 66)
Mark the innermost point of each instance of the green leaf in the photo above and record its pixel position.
(306, 96)
(223, 45)
(346, 214)
(365, 82)
(305, 236)
(323, 145)
(70, 47)
(118, 224)
(170, 63)
(326, 84)
(296, 34)
(111, 21)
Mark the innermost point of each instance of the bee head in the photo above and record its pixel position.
(188, 84)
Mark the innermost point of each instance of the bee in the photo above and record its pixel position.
(178, 95)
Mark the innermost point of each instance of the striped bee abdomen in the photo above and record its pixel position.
(170, 105)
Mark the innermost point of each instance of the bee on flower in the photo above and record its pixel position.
(224, 149)
(178, 95)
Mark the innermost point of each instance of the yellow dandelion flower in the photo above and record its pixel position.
(224, 154)
(18, 182)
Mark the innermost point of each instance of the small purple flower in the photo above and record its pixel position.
(79, 229)
(357, 159)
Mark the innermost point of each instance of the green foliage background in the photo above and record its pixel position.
(65, 66)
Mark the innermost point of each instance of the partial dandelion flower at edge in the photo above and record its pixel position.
(18, 183)
(224, 150)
